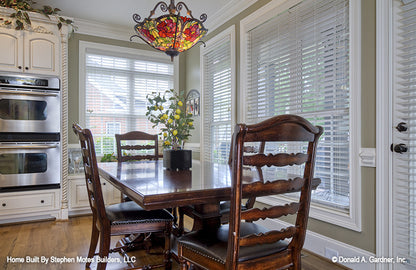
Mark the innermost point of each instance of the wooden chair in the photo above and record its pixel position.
(117, 219)
(247, 245)
(135, 149)
(141, 143)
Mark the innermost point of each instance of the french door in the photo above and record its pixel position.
(403, 134)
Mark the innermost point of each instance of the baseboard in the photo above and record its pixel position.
(344, 254)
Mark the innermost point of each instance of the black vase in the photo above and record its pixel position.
(177, 159)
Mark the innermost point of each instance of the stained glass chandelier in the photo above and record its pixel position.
(170, 33)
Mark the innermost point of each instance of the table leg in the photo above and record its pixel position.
(206, 216)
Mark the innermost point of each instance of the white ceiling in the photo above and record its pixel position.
(119, 13)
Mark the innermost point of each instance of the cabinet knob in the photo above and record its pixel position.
(3, 204)
(19, 67)
(42, 201)
(26, 68)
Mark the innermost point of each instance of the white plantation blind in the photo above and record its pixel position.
(115, 94)
(216, 68)
(404, 165)
(298, 63)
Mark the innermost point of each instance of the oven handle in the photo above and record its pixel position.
(30, 93)
(28, 146)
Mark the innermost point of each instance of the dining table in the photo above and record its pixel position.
(152, 186)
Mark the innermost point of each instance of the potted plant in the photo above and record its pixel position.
(169, 113)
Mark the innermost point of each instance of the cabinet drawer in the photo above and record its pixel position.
(20, 203)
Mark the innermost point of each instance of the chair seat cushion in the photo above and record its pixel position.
(214, 243)
(130, 212)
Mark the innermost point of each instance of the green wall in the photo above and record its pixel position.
(366, 238)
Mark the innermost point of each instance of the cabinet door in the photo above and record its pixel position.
(11, 50)
(41, 53)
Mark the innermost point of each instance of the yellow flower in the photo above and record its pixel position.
(165, 134)
(178, 111)
(160, 107)
(191, 123)
(177, 117)
(170, 121)
(174, 132)
(165, 116)
(180, 103)
(167, 142)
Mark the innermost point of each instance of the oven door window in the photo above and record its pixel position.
(15, 109)
(20, 163)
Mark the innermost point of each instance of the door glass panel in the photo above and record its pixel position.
(23, 163)
(14, 109)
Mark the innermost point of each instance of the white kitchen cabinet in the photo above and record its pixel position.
(78, 198)
(29, 52)
(37, 204)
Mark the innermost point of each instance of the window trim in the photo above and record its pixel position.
(85, 46)
(206, 49)
(351, 220)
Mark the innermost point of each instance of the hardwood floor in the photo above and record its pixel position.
(64, 241)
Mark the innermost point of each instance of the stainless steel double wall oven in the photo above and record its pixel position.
(30, 125)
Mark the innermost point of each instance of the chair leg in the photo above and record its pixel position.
(167, 251)
(297, 261)
(104, 249)
(93, 242)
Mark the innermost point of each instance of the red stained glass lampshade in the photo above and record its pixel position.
(171, 33)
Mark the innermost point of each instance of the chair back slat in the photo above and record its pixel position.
(280, 160)
(288, 141)
(137, 147)
(126, 151)
(272, 212)
(275, 187)
(268, 238)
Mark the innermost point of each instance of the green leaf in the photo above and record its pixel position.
(26, 18)
(19, 25)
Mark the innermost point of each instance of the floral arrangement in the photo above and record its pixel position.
(21, 17)
(176, 122)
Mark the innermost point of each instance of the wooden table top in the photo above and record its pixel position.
(154, 187)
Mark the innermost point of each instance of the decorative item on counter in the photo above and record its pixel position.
(21, 16)
(169, 112)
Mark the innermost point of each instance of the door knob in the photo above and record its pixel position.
(399, 148)
(401, 127)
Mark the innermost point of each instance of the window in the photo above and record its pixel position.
(217, 62)
(297, 60)
(116, 82)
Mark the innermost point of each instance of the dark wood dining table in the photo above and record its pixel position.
(154, 187)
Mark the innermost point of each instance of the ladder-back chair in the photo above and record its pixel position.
(117, 219)
(136, 146)
(248, 245)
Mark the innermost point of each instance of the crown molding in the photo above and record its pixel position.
(98, 29)
(230, 10)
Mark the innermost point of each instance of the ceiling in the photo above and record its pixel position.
(119, 13)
